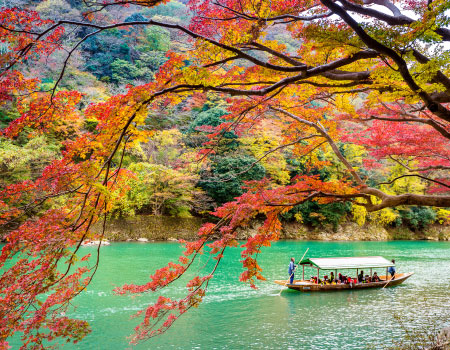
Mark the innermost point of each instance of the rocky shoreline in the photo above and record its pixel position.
(162, 228)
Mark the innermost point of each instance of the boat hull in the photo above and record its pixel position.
(307, 286)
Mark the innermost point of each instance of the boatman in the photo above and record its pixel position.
(391, 270)
(291, 270)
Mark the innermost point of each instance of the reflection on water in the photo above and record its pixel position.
(234, 316)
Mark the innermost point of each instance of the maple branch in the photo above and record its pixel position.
(190, 305)
(223, 221)
(441, 97)
(242, 114)
(397, 19)
(90, 218)
(275, 18)
(439, 77)
(373, 44)
(319, 194)
(328, 70)
(337, 86)
(386, 3)
(310, 72)
(415, 175)
(278, 54)
(235, 50)
(66, 61)
(361, 77)
(430, 122)
(319, 70)
(294, 18)
(435, 167)
(388, 201)
(225, 60)
(194, 35)
(300, 139)
(250, 83)
(307, 198)
(333, 74)
(330, 141)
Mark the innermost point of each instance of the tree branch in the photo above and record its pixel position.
(373, 44)
(386, 200)
(414, 175)
(435, 167)
(430, 122)
(398, 19)
(330, 141)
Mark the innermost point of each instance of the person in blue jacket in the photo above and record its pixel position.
(391, 270)
(291, 270)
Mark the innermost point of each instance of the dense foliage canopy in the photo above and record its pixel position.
(351, 96)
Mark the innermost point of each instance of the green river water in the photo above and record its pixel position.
(234, 316)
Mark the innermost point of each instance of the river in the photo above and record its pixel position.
(234, 316)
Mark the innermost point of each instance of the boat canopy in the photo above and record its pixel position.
(347, 263)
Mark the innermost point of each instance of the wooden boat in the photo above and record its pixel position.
(336, 264)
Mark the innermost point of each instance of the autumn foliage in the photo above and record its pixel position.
(376, 77)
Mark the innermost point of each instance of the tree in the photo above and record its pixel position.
(157, 189)
(225, 178)
(375, 76)
(23, 163)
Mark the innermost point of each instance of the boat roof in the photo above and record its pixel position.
(348, 262)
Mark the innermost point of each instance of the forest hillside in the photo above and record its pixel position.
(169, 177)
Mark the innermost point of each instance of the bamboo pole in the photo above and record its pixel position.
(387, 282)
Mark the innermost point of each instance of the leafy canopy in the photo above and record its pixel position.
(349, 73)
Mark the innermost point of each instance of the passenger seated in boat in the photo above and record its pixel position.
(375, 277)
(344, 279)
(314, 280)
(367, 279)
(349, 280)
(326, 280)
(361, 277)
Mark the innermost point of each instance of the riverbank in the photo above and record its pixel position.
(164, 228)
